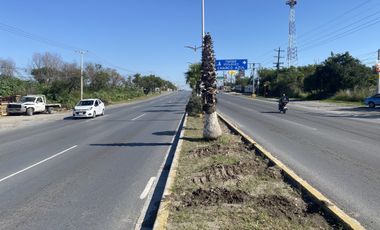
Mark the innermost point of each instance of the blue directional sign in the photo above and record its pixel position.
(231, 64)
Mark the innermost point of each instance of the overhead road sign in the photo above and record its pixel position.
(231, 64)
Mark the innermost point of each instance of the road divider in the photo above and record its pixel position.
(317, 197)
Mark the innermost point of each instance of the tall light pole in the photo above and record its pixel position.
(81, 52)
(203, 20)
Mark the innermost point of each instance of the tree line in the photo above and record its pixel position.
(340, 77)
(60, 81)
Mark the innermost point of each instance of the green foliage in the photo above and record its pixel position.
(10, 86)
(151, 82)
(340, 75)
(243, 81)
(194, 106)
(287, 80)
(60, 82)
(193, 77)
(339, 72)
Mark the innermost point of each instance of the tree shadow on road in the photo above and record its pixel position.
(133, 144)
(360, 109)
(271, 112)
(162, 111)
(165, 133)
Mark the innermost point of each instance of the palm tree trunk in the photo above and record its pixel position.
(211, 129)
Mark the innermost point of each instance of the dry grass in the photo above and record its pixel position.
(223, 185)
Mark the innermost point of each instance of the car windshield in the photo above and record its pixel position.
(27, 99)
(86, 102)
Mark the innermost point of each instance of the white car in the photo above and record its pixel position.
(89, 108)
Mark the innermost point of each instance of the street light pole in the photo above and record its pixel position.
(203, 20)
(194, 48)
(81, 52)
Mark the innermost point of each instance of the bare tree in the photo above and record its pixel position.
(7, 67)
(46, 67)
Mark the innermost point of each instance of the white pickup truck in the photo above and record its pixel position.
(31, 104)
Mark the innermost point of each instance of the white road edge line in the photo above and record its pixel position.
(138, 117)
(147, 188)
(150, 194)
(38, 163)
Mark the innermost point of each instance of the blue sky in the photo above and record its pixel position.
(148, 36)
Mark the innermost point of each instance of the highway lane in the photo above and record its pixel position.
(86, 173)
(338, 155)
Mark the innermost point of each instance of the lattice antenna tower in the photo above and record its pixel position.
(292, 46)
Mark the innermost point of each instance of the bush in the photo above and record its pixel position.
(352, 95)
(194, 106)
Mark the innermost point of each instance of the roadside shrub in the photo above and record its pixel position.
(194, 106)
(352, 95)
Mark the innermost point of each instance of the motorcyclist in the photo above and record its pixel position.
(283, 101)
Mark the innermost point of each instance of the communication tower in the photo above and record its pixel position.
(292, 46)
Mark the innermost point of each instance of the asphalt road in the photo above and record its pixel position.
(87, 173)
(337, 154)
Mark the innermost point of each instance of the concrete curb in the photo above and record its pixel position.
(163, 211)
(301, 184)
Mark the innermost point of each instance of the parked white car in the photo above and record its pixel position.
(89, 108)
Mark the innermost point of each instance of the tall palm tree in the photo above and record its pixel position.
(211, 128)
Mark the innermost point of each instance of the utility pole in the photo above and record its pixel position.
(253, 71)
(81, 52)
(278, 63)
(252, 67)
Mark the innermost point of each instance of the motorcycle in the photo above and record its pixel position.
(282, 107)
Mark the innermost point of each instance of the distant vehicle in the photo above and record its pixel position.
(31, 104)
(227, 88)
(372, 101)
(89, 108)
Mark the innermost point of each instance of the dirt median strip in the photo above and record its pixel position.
(224, 184)
(317, 196)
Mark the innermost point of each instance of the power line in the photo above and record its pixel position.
(328, 23)
(341, 35)
(352, 27)
(22, 33)
(17, 31)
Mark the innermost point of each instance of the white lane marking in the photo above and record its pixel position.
(38, 163)
(147, 188)
(138, 117)
(300, 125)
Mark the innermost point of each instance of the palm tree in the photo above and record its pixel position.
(193, 77)
(211, 128)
